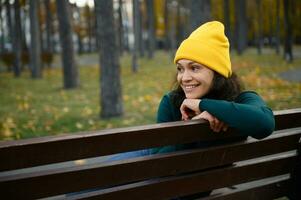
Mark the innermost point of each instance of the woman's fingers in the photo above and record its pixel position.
(215, 124)
(184, 114)
(189, 108)
(225, 127)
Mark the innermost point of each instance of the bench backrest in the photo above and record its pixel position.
(160, 176)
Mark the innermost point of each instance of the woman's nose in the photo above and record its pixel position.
(186, 76)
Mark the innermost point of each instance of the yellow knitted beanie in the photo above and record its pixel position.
(208, 46)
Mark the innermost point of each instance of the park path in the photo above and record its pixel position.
(292, 75)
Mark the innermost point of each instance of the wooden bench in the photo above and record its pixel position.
(239, 169)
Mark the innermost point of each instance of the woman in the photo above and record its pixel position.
(207, 89)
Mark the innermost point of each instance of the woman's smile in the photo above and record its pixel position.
(189, 88)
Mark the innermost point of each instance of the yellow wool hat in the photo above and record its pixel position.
(208, 46)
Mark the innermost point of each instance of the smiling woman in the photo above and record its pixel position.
(206, 88)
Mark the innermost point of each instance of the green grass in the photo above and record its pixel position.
(32, 108)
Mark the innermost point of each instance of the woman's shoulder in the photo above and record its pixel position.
(248, 96)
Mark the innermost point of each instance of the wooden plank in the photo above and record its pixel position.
(52, 149)
(171, 187)
(271, 189)
(290, 118)
(103, 175)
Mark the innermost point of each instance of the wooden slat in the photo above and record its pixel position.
(171, 187)
(52, 149)
(83, 177)
(287, 118)
(272, 189)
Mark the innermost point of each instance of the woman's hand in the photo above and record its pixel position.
(190, 108)
(215, 124)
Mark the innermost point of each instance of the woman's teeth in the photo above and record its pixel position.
(190, 86)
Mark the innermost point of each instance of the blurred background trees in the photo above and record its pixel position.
(32, 32)
(251, 23)
(146, 26)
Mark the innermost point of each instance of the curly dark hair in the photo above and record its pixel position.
(222, 89)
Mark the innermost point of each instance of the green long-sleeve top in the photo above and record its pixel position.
(248, 113)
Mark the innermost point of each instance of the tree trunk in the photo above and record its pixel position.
(140, 30)
(288, 41)
(277, 37)
(70, 70)
(126, 31)
(49, 27)
(200, 12)
(2, 42)
(136, 35)
(151, 28)
(9, 21)
(89, 20)
(173, 28)
(120, 28)
(241, 25)
(35, 47)
(17, 47)
(166, 25)
(111, 94)
(259, 31)
(227, 21)
(80, 45)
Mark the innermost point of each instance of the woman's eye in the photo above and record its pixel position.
(195, 68)
(179, 69)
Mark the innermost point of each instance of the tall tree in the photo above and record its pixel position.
(277, 35)
(259, 31)
(241, 25)
(120, 27)
(17, 39)
(200, 12)
(136, 35)
(2, 42)
(140, 29)
(151, 28)
(89, 18)
(173, 29)
(288, 41)
(166, 25)
(49, 27)
(227, 21)
(9, 21)
(78, 28)
(110, 84)
(35, 47)
(70, 70)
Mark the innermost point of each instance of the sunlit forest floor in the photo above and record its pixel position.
(31, 108)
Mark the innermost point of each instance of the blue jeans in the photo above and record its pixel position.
(131, 154)
(115, 157)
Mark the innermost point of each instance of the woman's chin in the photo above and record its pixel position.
(191, 96)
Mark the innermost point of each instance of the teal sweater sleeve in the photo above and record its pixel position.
(249, 114)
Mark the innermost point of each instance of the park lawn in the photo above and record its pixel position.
(32, 108)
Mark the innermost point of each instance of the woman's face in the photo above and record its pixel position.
(194, 78)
